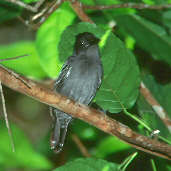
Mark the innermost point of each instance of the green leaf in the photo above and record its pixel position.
(8, 11)
(167, 18)
(24, 155)
(30, 1)
(89, 164)
(48, 37)
(110, 145)
(28, 65)
(148, 35)
(120, 85)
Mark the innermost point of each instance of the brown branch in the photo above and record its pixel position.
(89, 115)
(156, 106)
(77, 7)
(80, 146)
(6, 118)
(127, 5)
(27, 6)
(45, 13)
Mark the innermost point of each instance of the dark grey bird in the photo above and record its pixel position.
(79, 80)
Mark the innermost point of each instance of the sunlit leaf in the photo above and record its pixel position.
(28, 65)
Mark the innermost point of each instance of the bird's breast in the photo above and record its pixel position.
(81, 81)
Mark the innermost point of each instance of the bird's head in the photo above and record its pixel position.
(85, 40)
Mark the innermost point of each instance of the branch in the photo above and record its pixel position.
(77, 7)
(127, 5)
(89, 115)
(6, 118)
(26, 6)
(156, 106)
(81, 146)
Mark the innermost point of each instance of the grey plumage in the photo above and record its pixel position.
(79, 79)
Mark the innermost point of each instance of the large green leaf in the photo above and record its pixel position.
(28, 65)
(148, 35)
(24, 155)
(120, 85)
(89, 164)
(48, 37)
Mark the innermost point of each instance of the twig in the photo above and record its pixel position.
(156, 106)
(47, 12)
(127, 5)
(42, 15)
(6, 118)
(89, 115)
(16, 57)
(26, 6)
(80, 146)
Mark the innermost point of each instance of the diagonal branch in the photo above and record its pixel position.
(128, 5)
(89, 115)
(27, 6)
(156, 106)
(77, 7)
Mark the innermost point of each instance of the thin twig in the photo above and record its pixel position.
(80, 145)
(156, 106)
(87, 114)
(42, 15)
(52, 7)
(27, 6)
(6, 118)
(127, 5)
(16, 57)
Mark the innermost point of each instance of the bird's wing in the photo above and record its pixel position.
(63, 73)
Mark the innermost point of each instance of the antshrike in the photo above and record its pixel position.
(79, 80)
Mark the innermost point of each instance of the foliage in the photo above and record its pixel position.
(136, 48)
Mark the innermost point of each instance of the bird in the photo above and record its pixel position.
(80, 77)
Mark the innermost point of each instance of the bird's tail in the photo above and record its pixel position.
(60, 127)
